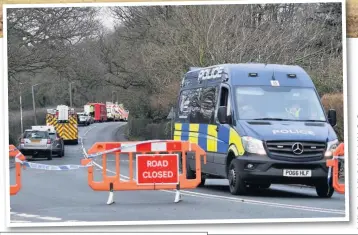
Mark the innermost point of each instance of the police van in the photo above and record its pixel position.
(260, 124)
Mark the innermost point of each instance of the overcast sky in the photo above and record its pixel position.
(106, 18)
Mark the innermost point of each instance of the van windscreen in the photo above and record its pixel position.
(287, 103)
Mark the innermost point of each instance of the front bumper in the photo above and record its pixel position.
(268, 171)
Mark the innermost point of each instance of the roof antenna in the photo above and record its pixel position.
(273, 74)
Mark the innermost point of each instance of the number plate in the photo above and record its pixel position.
(297, 173)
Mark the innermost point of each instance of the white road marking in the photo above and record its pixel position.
(37, 217)
(256, 202)
(51, 218)
(15, 214)
(86, 154)
(19, 221)
(27, 215)
(327, 210)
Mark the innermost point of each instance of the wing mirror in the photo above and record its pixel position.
(222, 114)
(332, 117)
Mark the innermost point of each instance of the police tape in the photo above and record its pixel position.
(75, 167)
(18, 155)
(114, 149)
(51, 167)
(339, 157)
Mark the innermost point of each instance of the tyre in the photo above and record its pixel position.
(62, 153)
(324, 190)
(49, 157)
(236, 184)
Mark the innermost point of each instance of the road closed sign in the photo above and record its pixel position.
(158, 169)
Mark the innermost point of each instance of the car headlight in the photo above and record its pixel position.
(331, 147)
(252, 145)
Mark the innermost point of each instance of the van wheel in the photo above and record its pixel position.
(236, 184)
(324, 190)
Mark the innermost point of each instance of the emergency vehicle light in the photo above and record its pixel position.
(253, 74)
(291, 75)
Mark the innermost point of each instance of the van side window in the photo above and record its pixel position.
(224, 96)
(208, 101)
(183, 105)
(225, 100)
(189, 105)
(194, 106)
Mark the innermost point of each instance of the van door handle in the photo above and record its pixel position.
(217, 128)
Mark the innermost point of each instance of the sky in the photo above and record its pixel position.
(107, 19)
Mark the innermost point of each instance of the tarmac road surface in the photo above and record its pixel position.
(63, 196)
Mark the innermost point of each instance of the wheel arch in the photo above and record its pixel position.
(232, 154)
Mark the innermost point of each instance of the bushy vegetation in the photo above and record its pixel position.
(336, 101)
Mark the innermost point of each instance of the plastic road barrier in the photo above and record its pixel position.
(334, 164)
(15, 153)
(157, 166)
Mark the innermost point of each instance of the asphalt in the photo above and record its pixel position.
(64, 196)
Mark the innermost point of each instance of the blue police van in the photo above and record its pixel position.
(260, 124)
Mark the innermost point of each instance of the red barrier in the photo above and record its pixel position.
(157, 166)
(334, 164)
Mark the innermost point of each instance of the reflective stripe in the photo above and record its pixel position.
(211, 138)
(67, 131)
(212, 145)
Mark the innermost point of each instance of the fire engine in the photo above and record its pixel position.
(97, 110)
(111, 112)
(65, 122)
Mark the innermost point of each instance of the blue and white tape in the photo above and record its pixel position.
(51, 167)
(75, 167)
(339, 157)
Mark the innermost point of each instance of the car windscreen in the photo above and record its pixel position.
(293, 103)
(35, 135)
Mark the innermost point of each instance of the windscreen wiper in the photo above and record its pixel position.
(312, 120)
(274, 119)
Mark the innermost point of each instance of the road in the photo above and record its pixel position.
(63, 196)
